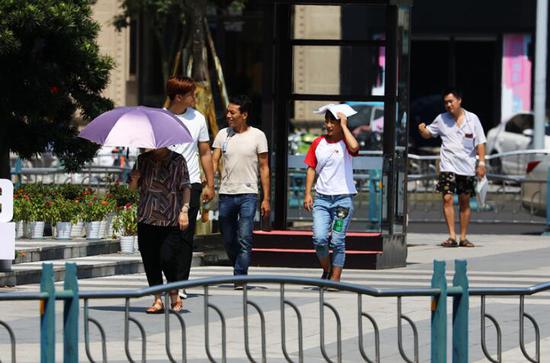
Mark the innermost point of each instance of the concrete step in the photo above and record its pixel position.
(51, 249)
(88, 267)
(94, 258)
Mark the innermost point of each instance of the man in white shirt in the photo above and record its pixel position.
(181, 92)
(244, 152)
(462, 137)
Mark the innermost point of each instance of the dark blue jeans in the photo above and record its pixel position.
(237, 222)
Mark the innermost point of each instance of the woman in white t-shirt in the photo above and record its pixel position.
(330, 158)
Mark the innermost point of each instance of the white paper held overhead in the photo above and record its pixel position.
(335, 108)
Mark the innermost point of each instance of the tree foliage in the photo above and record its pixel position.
(51, 70)
(179, 27)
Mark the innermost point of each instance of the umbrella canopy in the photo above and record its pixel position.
(138, 126)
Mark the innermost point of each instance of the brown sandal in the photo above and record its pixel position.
(176, 306)
(156, 308)
(466, 243)
(450, 242)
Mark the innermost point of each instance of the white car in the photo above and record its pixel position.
(513, 134)
(534, 187)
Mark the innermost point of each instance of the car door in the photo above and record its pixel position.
(513, 139)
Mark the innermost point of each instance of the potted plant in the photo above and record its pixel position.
(125, 224)
(122, 194)
(77, 220)
(60, 212)
(37, 217)
(35, 195)
(70, 191)
(107, 222)
(21, 208)
(94, 210)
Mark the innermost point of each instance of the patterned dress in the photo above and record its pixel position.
(161, 187)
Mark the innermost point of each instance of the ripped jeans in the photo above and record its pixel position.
(324, 214)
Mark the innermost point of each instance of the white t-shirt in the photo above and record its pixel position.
(196, 124)
(458, 144)
(333, 164)
(240, 159)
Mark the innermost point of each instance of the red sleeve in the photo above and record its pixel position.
(349, 151)
(311, 158)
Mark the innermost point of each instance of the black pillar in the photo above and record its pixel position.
(283, 87)
(390, 103)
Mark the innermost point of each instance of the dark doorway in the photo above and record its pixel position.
(471, 65)
(476, 74)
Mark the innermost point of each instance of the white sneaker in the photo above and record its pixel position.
(183, 294)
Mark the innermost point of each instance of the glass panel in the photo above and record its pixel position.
(367, 125)
(338, 70)
(348, 22)
(367, 203)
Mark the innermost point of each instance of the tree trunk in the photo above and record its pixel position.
(200, 67)
(5, 171)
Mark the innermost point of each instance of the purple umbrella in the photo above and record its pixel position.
(138, 126)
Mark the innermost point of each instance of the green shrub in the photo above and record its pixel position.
(125, 222)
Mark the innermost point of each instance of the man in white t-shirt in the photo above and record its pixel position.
(181, 92)
(243, 149)
(462, 137)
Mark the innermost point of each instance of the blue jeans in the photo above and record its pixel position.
(237, 222)
(324, 214)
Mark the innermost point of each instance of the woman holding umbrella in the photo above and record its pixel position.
(163, 182)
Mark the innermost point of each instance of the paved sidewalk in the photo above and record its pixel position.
(504, 260)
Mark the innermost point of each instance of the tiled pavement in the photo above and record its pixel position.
(510, 261)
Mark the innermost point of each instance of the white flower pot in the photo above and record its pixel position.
(127, 244)
(19, 229)
(109, 232)
(136, 245)
(93, 230)
(102, 228)
(35, 230)
(63, 230)
(77, 230)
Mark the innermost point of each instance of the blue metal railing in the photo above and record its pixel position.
(439, 292)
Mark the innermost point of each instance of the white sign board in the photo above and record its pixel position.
(7, 228)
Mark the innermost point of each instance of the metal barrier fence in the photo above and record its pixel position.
(513, 196)
(438, 292)
(95, 176)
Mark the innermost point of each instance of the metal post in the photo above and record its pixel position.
(375, 200)
(47, 315)
(461, 313)
(70, 315)
(390, 108)
(547, 231)
(18, 170)
(439, 314)
(540, 73)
